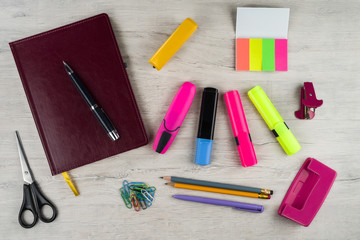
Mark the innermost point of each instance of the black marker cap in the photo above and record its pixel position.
(208, 113)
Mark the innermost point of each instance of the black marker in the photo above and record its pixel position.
(205, 136)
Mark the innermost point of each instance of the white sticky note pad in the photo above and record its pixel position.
(262, 22)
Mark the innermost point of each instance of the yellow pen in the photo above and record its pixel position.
(173, 43)
(273, 119)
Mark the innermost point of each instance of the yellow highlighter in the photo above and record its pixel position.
(173, 43)
(273, 119)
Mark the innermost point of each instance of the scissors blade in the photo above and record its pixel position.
(27, 176)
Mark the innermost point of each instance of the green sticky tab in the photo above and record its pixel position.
(268, 55)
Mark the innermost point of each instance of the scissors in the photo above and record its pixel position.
(33, 199)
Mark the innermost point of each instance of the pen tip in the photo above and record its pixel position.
(67, 68)
(269, 197)
(271, 192)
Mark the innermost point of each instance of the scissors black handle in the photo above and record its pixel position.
(34, 201)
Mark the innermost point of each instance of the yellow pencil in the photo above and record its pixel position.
(219, 190)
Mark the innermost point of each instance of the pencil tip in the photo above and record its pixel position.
(166, 183)
(161, 177)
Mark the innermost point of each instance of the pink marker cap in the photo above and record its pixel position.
(174, 117)
(240, 129)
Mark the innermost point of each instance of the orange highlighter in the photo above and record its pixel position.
(173, 43)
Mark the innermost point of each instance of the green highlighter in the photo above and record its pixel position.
(273, 119)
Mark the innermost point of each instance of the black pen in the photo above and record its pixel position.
(98, 111)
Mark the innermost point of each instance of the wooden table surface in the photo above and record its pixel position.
(324, 48)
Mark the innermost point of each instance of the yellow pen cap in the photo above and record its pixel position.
(273, 119)
(173, 43)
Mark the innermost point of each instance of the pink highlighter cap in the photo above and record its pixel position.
(174, 117)
(240, 129)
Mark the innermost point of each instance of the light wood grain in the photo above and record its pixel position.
(324, 47)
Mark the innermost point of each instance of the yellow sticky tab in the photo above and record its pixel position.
(255, 52)
(71, 185)
(173, 43)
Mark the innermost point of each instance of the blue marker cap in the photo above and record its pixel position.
(205, 136)
(203, 151)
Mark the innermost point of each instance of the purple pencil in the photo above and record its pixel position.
(237, 205)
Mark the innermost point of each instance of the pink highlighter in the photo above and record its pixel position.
(240, 129)
(174, 117)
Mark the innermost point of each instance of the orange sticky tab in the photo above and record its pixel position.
(242, 54)
(255, 58)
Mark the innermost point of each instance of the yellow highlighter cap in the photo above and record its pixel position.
(265, 106)
(274, 121)
(173, 43)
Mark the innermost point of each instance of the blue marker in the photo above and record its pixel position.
(205, 136)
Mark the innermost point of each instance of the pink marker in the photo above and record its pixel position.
(240, 129)
(174, 117)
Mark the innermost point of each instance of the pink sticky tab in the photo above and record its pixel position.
(281, 55)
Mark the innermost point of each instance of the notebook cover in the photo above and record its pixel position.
(70, 134)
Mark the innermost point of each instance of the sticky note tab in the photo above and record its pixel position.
(281, 55)
(268, 55)
(255, 57)
(242, 54)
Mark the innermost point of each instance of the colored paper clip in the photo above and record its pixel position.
(143, 204)
(125, 198)
(138, 185)
(136, 189)
(149, 198)
(126, 187)
(137, 194)
(308, 102)
(134, 201)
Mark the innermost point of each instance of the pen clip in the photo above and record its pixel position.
(250, 210)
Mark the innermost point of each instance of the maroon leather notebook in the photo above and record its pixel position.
(70, 134)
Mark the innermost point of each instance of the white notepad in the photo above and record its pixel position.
(263, 23)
